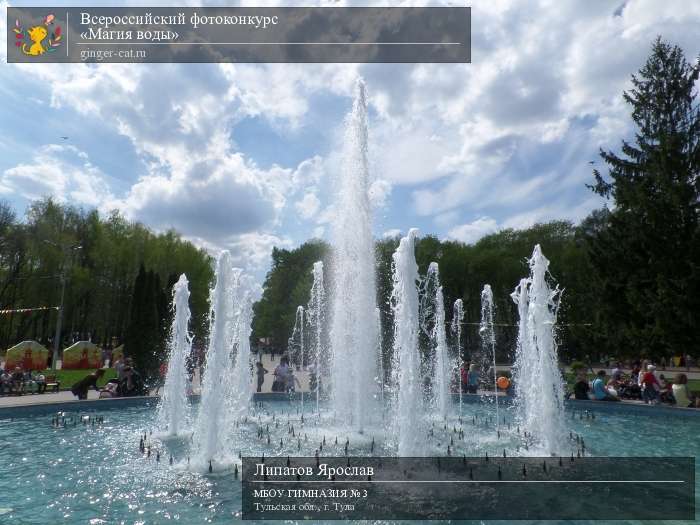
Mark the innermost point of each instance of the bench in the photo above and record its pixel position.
(52, 383)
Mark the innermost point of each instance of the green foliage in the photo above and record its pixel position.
(147, 332)
(100, 275)
(287, 285)
(576, 366)
(646, 251)
(499, 259)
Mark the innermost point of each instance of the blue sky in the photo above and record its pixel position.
(243, 157)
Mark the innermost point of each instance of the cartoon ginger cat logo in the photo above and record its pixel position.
(37, 34)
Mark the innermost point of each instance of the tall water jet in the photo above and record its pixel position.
(173, 409)
(352, 334)
(456, 329)
(316, 315)
(296, 342)
(381, 379)
(211, 429)
(523, 366)
(406, 359)
(541, 401)
(242, 374)
(487, 358)
(435, 306)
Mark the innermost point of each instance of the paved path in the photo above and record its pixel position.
(269, 364)
(38, 399)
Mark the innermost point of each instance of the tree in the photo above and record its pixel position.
(498, 259)
(146, 336)
(287, 285)
(646, 250)
(100, 276)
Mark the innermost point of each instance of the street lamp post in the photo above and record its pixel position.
(59, 320)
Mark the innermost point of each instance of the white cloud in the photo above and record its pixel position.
(469, 135)
(506, 138)
(379, 192)
(551, 211)
(178, 120)
(391, 233)
(62, 172)
(308, 206)
(473, 231)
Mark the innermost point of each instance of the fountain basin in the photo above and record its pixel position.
(88, 474)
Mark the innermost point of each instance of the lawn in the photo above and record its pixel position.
(69, 377)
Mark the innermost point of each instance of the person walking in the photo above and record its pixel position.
(260, 371)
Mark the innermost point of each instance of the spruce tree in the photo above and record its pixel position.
(134, 343)
(647, 255)
(145, 341)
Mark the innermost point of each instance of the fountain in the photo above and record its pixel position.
(434, 315)
(316, 317)
(211, 436)
(523, 366)
(381, 377)
(406, 359)
(242, 389)
(296, 342)
(228, 427)
(487, 358)
(539, 385)
(456, 329)
(173, 409)
(352, 359)
(352, 332)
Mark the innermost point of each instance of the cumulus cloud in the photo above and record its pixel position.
(308, 206)
(62, 172)
(194, 180)
(514, 130)
(506, 139)
(473, 231)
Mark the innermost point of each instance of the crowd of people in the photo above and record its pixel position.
(127, 383)
(642, 383)
(20, 382)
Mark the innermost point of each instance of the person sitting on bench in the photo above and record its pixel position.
(40, 380)
(18, 381)
(5, 382)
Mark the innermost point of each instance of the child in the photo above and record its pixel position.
(260, 371)
(650, 386)
(292, 381)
